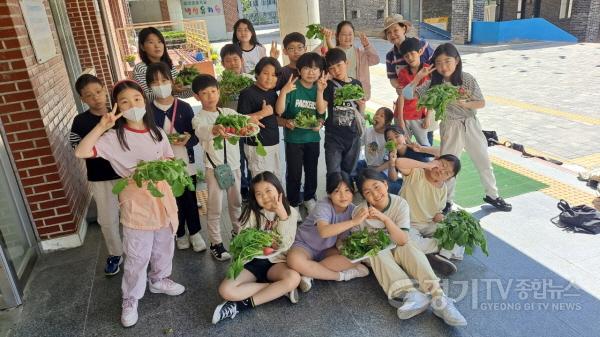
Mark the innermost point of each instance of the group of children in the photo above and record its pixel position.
(406, 191)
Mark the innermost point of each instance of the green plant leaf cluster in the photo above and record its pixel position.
(364, 243)
(174, 172)
(463, 229)
(186, 76)
(391, 146)
(231, 84)
(247, 245)
(174, 35)
(437, 98)
(306, 119)
(314, 32)
(349, 92)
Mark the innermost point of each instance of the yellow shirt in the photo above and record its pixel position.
(424, 199)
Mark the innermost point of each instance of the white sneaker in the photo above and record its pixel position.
(183, 242)
(443, 307)
(129, 313)
(293, 296)
(415, 302)
(305, 283)
(198, 244)
(310, 205)
(358, 271)
(166, 286)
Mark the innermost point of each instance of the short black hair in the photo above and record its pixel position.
(265, 61)
(309, 60)
(388, 113)
(204, 81)
(334, 179)
(230, 49)
(452, 159)
(369, 174)
(84, 80)
(158, 68)
(394, 128)
(293, 37)
(335, 56)
(410, 44)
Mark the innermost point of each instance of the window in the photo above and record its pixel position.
(565, 9)
(354, 14)
(380, 14)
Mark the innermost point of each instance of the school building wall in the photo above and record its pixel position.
(37, 109)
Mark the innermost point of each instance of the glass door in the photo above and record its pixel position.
(18, 249)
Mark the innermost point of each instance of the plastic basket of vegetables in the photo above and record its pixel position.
(363, 244)
(236, 127)
(249, 244)
(348, 93)
(149, 173)
(437, 98)
(463, 229)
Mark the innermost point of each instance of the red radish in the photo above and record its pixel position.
(323, 50)
(268, 251)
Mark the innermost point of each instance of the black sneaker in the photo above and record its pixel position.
(441, 264)
(112, 265)
(219, 252)
(499, 203)
(447, 209)
(224, 310)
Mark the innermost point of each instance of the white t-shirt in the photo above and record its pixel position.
(203, 123)
(252, 57)
(374, 147)
(397, 210)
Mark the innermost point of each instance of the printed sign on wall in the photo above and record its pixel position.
(201, 8)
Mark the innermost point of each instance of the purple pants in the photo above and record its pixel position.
(142, 247)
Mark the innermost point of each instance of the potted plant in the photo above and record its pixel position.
(130, 59)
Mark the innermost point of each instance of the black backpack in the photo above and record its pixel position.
(579, 219)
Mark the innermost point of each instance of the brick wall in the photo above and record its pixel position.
(164, 10)
(460, 21)
(330, 13)
(89, 37)
(37, 108)
(585, 20)
(230, 10)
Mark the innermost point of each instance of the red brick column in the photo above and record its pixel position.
(164, 10)
(89, 37)
(37, 109)
(230, 10)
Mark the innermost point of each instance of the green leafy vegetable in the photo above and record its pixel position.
(237, 125)
(461, 228)
(315, 32)
(248, 244)
(186, 76)
(174, 172)
(306, 119)
(391, 146)
(369, 118)
(437, 98)
(231, 84)
(349, 92)
(364, 243)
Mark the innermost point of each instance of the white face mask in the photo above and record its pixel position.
(162, 91)
(135, 114)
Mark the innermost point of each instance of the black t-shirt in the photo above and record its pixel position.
(340, 120)
(251, 101)
(98, 169)
(284, 75)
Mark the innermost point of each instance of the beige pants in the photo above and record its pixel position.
(215, 204)
(467, 135)
(421, 236)
(258, 164)
(393, 267)
(107, 205)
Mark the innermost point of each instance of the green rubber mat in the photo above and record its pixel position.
(470, 193)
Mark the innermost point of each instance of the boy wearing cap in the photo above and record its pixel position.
(394, 30)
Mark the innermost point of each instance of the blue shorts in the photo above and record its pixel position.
(316, 255)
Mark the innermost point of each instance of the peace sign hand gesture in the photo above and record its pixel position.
(424, 72)
(274, 52)
(364, 40)
(108, 121)
(290, 85)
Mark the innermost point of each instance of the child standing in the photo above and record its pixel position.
(175, 116)
(260, 99)
(460, 129)
(206, 90)
(314, 254)
(424, 189)
(302, 146)
(344, 125)
(149, 223)
(100, 174)
(263, 280)
(294, 46)
(393, 267)
(244, 36)
(411, 119)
